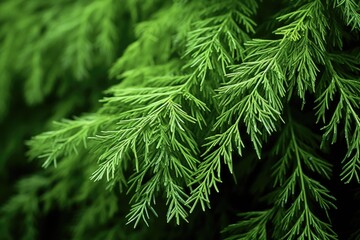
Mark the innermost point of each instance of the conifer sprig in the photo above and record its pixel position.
(297, 189)
(235, 27)
(217, 38)
(155, 135)
(350, 11)
(294, 214)
(346, 111)
(252, 226)
(65, 139)
(254, 95)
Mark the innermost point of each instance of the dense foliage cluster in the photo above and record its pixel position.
(241, 106)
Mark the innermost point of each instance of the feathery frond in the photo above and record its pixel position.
(297, 189)
(346, 111)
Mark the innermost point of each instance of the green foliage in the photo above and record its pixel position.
(251, 227)
(52, 41)
(298, 187)
(204, 86)
(347, 110)
(350, 12)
